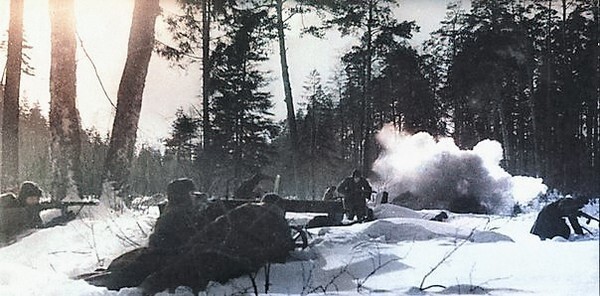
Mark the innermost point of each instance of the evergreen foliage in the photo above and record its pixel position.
(528, 77)
(320, 161)
(242, 124)
(524, 74)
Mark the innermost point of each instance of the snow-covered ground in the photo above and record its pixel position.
(397, 254)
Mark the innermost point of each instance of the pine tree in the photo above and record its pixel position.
(65, 125)
(10, 98)
(242, 124)
(566, 92)
(182, 146)
(34, 140)
(404, 96)
(94, 149)
(318, 142)
(493, 68)
(149, 172)
(370, 20)
(182, 143)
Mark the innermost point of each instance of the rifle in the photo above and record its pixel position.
(588, 217)
(66, 215)
(65, 204)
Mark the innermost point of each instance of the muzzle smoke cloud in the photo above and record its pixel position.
(422, 172)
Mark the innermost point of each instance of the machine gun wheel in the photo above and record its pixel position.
(299, 236)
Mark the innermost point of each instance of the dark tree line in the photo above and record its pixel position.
(527, 75)
(524, 73)
(150, 169)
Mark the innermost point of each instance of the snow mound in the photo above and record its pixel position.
(389, 256)
(384, 211)
(18, 279)
(341, 270)
(393, 211)
(407, 229)
(81, 245)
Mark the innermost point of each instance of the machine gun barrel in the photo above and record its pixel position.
(66, 204)
(587, 216)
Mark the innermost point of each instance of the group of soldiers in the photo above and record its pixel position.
(196, 240)
(550, 222)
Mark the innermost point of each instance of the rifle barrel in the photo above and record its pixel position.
(586, 215)
(65, 204)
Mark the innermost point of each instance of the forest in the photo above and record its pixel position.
(523, 73)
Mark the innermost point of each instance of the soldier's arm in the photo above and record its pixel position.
(365, 187)
(343, 187)
(575, 224)
(368, 187)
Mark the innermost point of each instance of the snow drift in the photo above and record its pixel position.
(389, 256)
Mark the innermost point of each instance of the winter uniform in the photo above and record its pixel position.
(235, 244)
(16, 215)
(550, 221)
(9, 200)
(246, 189)
(178, 223)
(356, 191)
(441, 217)
(191, 249)
(173, 229)
(330, 193)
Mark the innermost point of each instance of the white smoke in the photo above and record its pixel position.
(437, 173)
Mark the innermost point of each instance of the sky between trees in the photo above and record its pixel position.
(103, 26)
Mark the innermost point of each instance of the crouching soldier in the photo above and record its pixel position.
(176, 225)
(237, 243)
(356, 190)
(248, 188)
(550, 221)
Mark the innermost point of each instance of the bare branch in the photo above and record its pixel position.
(448, 255)
(95, 71)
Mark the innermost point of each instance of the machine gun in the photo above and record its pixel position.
(66, 214)
(587, 216)
(64, 205)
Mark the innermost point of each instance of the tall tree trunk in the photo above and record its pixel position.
(10, 118)
(287, 89)
(206, 128)
(368, 98)
(129, 97)
(595, 106)
(207, 161)
(535, 130)
(65, 126)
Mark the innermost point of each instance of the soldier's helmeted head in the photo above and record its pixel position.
(356, 175)
(276, 200)
(271, 198)
(179, 191)
(29, 193)
(571, 205)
